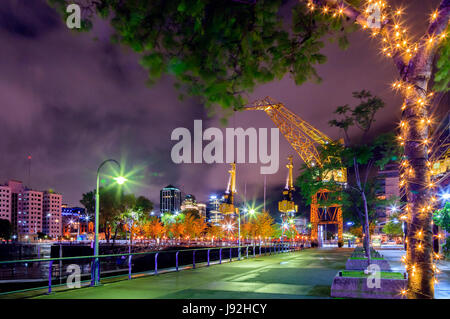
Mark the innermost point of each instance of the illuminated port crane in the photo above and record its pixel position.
(302, 136)
(287, 205)
(227, 207)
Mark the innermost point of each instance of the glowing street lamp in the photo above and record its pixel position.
(445, 196)
(120, 180)
(394, 208)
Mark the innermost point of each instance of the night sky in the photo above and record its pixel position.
(74, 99)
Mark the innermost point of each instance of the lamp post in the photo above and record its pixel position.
(251, 212)
(119, 180)
(239, 233)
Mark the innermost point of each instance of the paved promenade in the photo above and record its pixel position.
(303, 274)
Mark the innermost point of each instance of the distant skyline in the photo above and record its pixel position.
(71, 100)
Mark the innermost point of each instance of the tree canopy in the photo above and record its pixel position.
(220, 50)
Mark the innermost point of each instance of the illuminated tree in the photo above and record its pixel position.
(393, 228)
(216, 232)
(263, 225)
(153, 228)
(194, 225)
(174, 224)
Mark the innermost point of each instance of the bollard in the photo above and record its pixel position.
(193, 260)
(220, 255)
(176, 262)
(208, 256)
(231, 254)
(129, 267)
(156, 263)
(50, 267)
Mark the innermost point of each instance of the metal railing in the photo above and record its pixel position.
(233, 253)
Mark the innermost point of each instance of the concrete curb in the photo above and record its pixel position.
(350, 287)
(362, 264)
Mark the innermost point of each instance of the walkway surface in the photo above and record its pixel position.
(441, 289)
(304, 274)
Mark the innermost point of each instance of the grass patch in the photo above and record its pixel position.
(320, 291)
(361, 274)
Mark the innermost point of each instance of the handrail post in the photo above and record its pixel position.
(176, 262)
(220, 255)
(50, 268)
(208, 256)
(156, 263)
(193, 260)
(93, 272)
(98, 271)
(129, 267)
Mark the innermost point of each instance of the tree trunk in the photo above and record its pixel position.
(366, 228)
(115, 236)
(419, 235)
(415, 134)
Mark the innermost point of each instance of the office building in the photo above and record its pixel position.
(28, 210)
(214, 216)
(51, 209)
(170, 199)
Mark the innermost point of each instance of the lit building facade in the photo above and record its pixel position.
(202, 210)
(170, 199)
(5, 202)
(75, 221)
(52, 219)
(190, 203)
(214, 216)
(26, 210)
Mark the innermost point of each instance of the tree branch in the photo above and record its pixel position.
(420, 66)
(357, 16)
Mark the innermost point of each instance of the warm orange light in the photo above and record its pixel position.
(434, 15)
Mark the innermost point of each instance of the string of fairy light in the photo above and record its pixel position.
(396, 43)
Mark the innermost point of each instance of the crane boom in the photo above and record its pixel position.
(300, 134)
